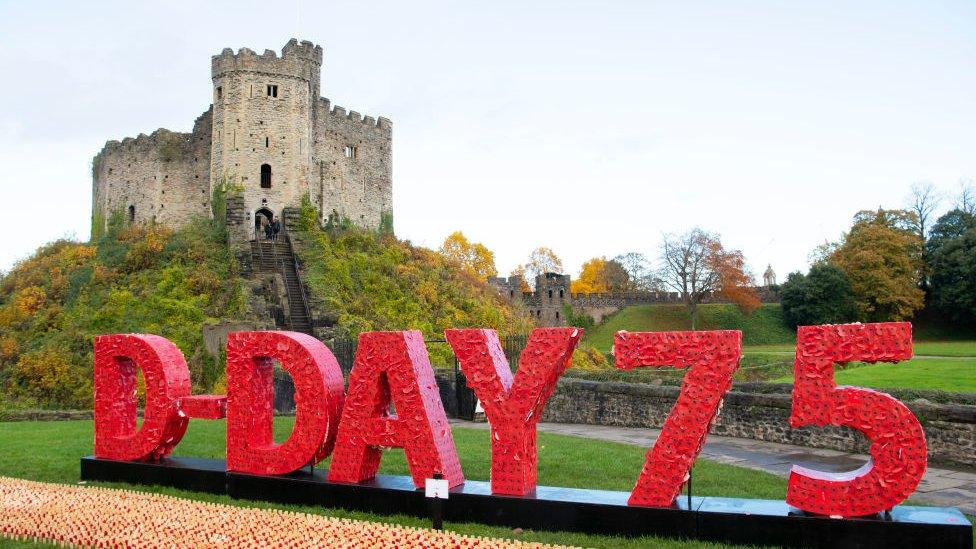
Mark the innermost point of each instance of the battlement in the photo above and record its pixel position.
(298, 59)
(340, 113)
(142, 141)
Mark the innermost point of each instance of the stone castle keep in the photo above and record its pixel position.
(268, 135)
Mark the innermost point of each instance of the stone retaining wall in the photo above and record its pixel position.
(949, 428)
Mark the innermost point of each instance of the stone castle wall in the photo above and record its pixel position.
(545, 304)
(552, 293)
(162, 177)
(358, 186)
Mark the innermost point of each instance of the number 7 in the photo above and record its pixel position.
(713, 357)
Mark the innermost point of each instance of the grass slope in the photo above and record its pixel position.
(49, 451)
(765, 327)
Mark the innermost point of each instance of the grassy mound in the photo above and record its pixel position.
(139, 278)
(764, 327)
(374, 281)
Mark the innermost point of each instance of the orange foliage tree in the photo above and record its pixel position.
(600, 275)
(697, 266)
(473, 256)
(882, 257)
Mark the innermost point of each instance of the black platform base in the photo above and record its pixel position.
(746, 521)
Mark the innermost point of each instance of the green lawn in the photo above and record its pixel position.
(765, 327)
(947, 363)
(49, 451)
(945, 348)
(946, 374)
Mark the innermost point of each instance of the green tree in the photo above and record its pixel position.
(823, 296)
(882, 257)
(951, 250)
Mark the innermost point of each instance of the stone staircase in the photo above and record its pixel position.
(278, 257)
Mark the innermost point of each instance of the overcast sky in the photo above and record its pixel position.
(589, 127)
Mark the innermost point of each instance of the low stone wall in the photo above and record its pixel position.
(949, 428)
(44, 415)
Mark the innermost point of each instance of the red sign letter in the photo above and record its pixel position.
(713, 357)
(250, 401)
(898, 451)
(167, 380)
(397, 363)
(513, 408)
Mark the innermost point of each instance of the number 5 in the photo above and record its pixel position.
(898, 451)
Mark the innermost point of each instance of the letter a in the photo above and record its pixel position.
(394, 365)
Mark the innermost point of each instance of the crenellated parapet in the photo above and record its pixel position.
(353, 119)
(298, 59)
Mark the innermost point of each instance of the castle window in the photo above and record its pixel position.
(132, 213)
(557, 315)
(265, 176)
(220, 93)
(267, 142)
(560, 294)
(550, 294)
(351, 151)
(272, 90)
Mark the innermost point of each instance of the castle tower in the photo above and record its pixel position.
(269, 136)
(263, 124)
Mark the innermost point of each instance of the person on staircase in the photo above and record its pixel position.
(275, 228)
(268, 232)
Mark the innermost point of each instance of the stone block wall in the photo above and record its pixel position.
(352, 173)
(163, 177)
(949, 428)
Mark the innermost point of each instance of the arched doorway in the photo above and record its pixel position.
(262, 217)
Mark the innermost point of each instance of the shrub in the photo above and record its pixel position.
(377, 282)
(824, 296)
(139, 278)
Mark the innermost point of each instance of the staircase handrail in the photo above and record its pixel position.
(298, 273)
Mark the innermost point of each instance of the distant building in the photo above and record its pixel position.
(546, 303)
(769, 277)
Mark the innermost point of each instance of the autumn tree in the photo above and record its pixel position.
(542, 260)
(600, 275)
(638, 270)
(696, 265)
(882, 258)
(519, 271)
(473, 256)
